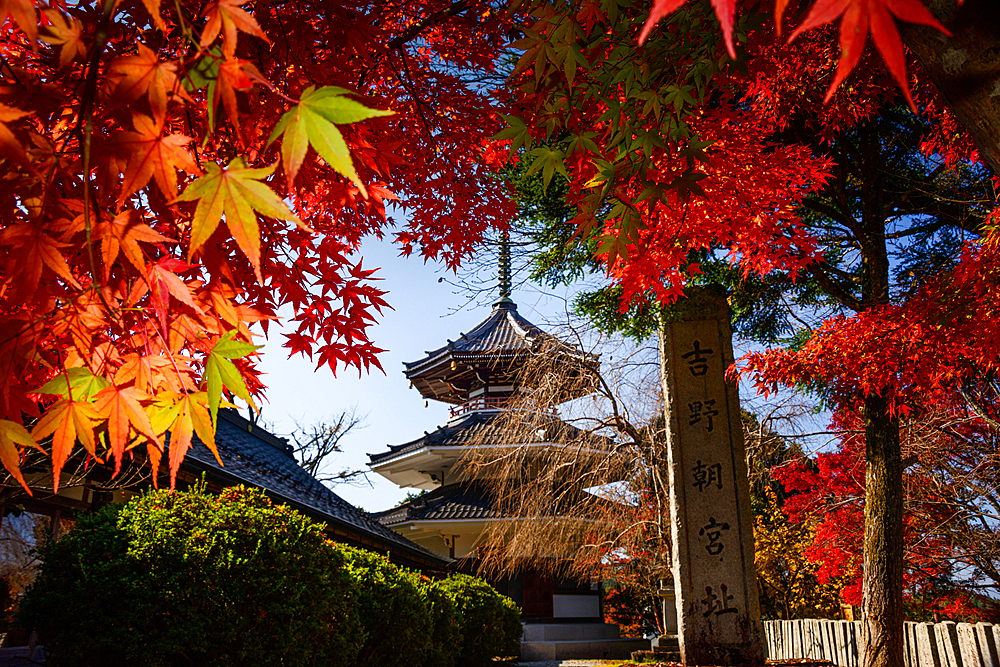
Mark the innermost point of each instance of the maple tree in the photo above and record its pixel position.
(950, 548)
(790, 582)
(174, 174)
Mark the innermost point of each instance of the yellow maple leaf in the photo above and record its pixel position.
(192, 417)
(238, 193)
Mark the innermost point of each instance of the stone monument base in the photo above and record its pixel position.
(577, 641)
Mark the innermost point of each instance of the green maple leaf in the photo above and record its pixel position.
(220, 371)
(77, 382)
(238, 193)
(313, 122)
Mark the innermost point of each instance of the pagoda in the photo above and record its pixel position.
(478, 374)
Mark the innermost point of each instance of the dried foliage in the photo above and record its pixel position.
(580, 492)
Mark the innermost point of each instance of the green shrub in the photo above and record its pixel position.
(489, 623)
(393, 613)
(445, 638)
(191, 578)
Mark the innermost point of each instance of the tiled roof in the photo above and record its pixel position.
(503, 332)
(252, 456)
(480, 428)
(449, 503)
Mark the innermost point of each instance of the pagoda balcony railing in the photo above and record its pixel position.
(481, 403)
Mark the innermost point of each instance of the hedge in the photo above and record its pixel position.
(182, 578)
(490, 623)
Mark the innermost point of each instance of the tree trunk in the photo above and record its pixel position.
(882, 628)
(966, 67)
(882, 625)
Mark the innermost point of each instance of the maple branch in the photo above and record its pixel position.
(89, 93)
(397, 42)
(834, 289)
(977, 407)
(834, 214)
(417, 102)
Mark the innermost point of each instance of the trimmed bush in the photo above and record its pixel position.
(192, 578)
(395, 618)
(189, 578)
(489, 623)
(445, 639)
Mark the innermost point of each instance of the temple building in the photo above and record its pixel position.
(478, 374)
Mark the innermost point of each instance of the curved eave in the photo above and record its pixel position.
(447, 377)
(415, 468)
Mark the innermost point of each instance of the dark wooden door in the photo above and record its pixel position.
(538, 590)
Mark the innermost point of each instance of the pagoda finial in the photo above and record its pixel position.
(504, 266)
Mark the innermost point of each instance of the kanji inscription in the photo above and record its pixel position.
(707, 475)
(714, 582)
(702, 411)
(713, 531)
(718, 604)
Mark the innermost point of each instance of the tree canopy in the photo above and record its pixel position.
(130, 131)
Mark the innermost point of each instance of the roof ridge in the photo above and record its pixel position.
(281, 444)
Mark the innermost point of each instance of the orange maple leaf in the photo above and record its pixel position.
(23, 13)
(67, 421)
(233, 75)
(193, 417)
(155, 374)
(125, 233)
(13, 438)
(34, 250)
(67, 33)
(145, 75)
(164, 283)
(153, 7)
(124, 414)
(151, 155)
(10, 147)
(859, 17)
(227, 17)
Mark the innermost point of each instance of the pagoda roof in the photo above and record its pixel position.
(481, 428)
(456, 502)
(497, 342)
(464, 501)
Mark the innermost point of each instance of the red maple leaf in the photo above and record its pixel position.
(858, 18)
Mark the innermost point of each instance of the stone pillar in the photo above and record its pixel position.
(669, 607)
(711, 527)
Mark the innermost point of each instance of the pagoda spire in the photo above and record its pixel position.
(504, 268)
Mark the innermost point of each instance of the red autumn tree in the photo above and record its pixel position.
(173, 174)
(950, 547)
